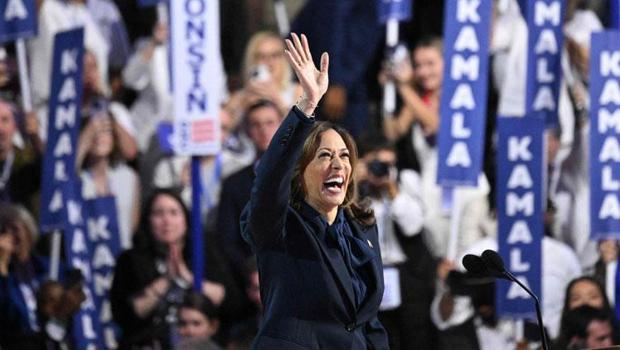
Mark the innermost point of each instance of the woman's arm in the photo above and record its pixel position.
(271, 190)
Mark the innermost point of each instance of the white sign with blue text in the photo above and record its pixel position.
(196, 76)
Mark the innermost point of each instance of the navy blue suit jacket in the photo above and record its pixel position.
(306, 288)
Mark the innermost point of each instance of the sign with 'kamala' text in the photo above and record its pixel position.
(464, 92)
(18, 19)
(86, 327)
(544, 22)
(520, 179)
(196, 76)
(63, 125)
(105, 247)
(605, 135)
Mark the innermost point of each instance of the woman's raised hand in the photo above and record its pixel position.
(314, 82)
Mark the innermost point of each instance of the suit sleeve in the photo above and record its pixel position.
(263, 218)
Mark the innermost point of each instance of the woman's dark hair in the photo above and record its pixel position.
(575, 323)
(144, 239)
(565, 311)
(201, 303)
(360, 211)
(115, 156)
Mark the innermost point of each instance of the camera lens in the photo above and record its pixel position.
(378, 168)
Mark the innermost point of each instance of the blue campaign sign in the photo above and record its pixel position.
(146, 3)
(18, 19)
(544, 21)
(605, 135)
(394, 9)
(520, 179)
(104, 240)
(86, 329)
(464, 92)
(63, 125)
(614, 14)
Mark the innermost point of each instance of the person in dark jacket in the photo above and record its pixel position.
(317, 248)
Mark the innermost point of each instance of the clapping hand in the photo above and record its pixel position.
(314, 82)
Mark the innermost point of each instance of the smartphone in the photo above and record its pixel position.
(260, 73)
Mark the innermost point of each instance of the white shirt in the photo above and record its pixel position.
(406, 210)
(54, 17)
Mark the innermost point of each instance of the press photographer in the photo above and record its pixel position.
(408, 265)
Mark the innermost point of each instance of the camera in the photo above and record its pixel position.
(378, 168)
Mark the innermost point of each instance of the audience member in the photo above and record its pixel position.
(150, 279)
(408, 265)
(198, 321)
(266, 74)
(586, 327)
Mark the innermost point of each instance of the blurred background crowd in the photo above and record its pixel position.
(126, 99)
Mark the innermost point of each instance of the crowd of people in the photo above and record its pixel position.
(429, 301)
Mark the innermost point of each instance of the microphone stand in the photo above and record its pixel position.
(543, 336)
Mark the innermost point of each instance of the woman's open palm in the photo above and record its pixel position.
(313, 81)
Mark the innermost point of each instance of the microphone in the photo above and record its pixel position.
(495, 265)
(475, 266)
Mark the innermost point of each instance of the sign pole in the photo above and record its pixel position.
(284, 26)
(389, 90)
(24, 82)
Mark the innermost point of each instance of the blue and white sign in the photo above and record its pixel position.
(63, 125)
(520, 179)
(464, 92)
(614, 14)
(104, 241)
(78, 252)
(18, 19)
(605, 135)
(544, 21)
(146, 3)
(399, 10)
(197, 76)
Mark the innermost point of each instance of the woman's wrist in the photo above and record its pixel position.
(306, 105)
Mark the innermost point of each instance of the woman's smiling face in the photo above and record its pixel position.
(327, 176)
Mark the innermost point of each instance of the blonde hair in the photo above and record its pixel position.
(249, 60)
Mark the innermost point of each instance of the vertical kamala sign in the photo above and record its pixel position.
(544, 22)
(520, 176)
(63, 126)
(605, 135)
(196, 76)
(464, 92)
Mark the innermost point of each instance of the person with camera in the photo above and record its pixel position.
(407, 263)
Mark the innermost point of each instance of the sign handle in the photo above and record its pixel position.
(284, 26)
(162, 12)
(455, 222)
(55, 254)
(389, 89)
(198, 245)
(24, 82)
